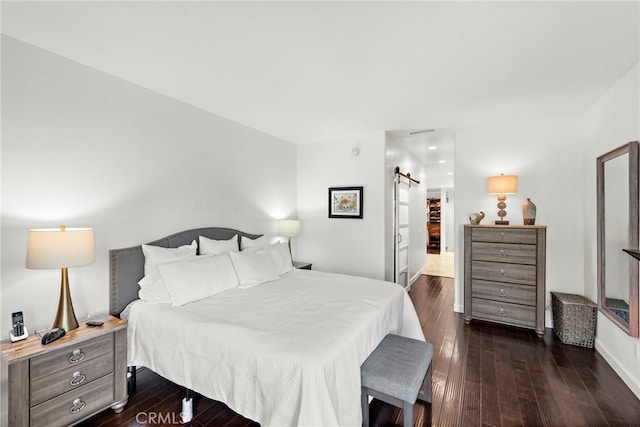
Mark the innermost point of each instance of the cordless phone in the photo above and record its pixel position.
(18, 323)
(19, 331)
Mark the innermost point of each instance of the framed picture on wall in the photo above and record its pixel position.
(345, 202)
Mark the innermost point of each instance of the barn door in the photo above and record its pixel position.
(401, 227)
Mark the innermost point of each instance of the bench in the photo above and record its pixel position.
(395, 373)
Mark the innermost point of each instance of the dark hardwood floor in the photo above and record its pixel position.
(483, 375)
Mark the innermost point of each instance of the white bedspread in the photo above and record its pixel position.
(282, 353)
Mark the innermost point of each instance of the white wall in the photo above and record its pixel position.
(398, 155)
(351, 246)
(610, 123)
(83, 148)
(546, 155)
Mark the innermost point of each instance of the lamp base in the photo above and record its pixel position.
(502, 222)
(65, 316)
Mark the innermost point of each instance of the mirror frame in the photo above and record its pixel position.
(633, 328)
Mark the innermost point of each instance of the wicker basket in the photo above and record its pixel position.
(574, 319)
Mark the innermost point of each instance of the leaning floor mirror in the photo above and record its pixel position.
(618, 235)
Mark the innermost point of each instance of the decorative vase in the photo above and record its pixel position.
(529, 212)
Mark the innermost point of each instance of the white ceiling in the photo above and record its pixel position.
(308, 71)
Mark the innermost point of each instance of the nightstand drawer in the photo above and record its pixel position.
(504, 252)
(513, 314)
(504, 235)
(503, 272)
(505, 292)
(74, 405)
(76, 355)
(71, 378)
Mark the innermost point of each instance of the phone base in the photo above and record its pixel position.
(20, 337)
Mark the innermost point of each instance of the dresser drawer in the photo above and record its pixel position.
(505, 292)
(504, 252)
(504, 235)
(73, 377)
(504, 272)
(74, 405)
(76, 355)
(496, 311)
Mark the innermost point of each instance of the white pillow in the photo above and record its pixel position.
(253, 268)
(260, 242)
(199, 277)
(153, 290)
(154, 255)
(215, 247)
(281, 257)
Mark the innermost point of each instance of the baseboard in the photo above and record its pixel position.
(623, 373)
(413, 279)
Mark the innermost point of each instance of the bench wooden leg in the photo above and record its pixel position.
(426, 385)
(365, 407)
(407, 408)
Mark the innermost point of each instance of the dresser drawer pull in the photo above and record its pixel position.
(77, 378)
(502, 313)
(502, 235)
(502, 253)
(77, 406)
(501, 293)
(501, 273)
(77, 356)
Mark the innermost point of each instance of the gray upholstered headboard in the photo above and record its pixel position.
(127, 264)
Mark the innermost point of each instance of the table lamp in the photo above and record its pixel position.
(289, 228)
(49, 248)
(501, 185)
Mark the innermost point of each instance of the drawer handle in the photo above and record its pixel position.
(502, 313)
(502, 253)
(501, 293)
(77, 378)
(502, 235)
(77, 406)
(501, 273)
(77, 356)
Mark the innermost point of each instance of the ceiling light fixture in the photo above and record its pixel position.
(432, 147)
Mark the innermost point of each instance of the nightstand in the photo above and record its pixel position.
(302, 265)
(64, 382)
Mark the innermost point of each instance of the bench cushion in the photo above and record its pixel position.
(397, 367)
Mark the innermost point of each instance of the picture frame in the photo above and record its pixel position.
(346, 202)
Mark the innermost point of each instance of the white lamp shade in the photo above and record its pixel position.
(289, 228)
(57, 248)
(502, 184)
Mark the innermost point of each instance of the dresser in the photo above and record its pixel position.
(66, 381)
(504, 275)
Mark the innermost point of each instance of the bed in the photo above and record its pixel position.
(283, 352)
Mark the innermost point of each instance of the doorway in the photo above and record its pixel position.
(429, 156)
(440, 241)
